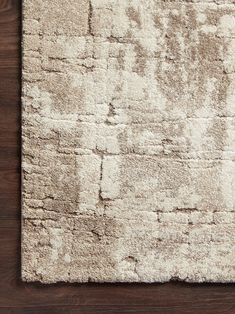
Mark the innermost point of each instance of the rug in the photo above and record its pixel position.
(128, 141)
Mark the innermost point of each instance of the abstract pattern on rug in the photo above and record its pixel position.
(128, 141)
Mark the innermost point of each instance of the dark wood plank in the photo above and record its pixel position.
(18, 297)
(10, 109)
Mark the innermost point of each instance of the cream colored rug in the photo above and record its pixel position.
(128, 140)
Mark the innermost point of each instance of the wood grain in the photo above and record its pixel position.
(18, 297)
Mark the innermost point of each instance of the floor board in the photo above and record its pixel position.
(18, 297)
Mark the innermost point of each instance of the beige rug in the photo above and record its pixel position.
(128, 140)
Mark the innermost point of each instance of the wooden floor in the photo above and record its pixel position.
(18, 297)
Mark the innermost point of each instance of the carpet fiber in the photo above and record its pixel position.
(128, 140)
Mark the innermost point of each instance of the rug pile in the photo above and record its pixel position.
(128, 138)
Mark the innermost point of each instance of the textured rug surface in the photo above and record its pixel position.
(128, 140)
